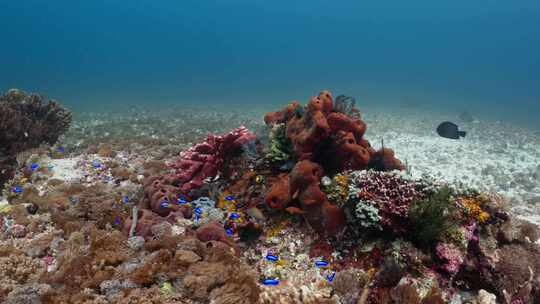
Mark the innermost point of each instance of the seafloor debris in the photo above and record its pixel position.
(312, 215)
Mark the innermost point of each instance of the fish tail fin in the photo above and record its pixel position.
(462, 133)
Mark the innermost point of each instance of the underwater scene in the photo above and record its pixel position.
(260, 152)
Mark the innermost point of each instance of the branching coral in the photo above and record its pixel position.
(206, 159)
(390, 193)
(26, 122)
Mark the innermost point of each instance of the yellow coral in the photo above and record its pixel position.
(276, 228)
(473, 209)
(340, 188)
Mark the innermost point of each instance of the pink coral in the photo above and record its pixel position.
(451, 257)
(206, 159)
(391, 193)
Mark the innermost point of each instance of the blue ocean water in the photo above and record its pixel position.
(481, 56)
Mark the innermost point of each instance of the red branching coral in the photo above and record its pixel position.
(201, 161)
(207, 158)
(25, 123)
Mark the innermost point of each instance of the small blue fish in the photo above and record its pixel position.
(164, 204)
(234, 216)
(17, 189)
(270, 281)
(198, 211)
(125, 199)
(34, 166)
(271, 257)
(229, 231)
(330, 277)
(117, 222)
(229, 197)
(321, 263)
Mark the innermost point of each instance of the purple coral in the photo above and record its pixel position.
(390, 192)
(451, 257)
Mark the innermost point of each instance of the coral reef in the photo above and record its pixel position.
(314, 214)
(27, 122)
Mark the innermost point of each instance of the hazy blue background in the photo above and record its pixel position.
(481, 55)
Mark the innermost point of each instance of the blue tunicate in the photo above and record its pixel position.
(321, 263)
(60, 149)
(125, 199)
(234, 216)
(17, 189)
(270, 281)
(117, 221)
(271, 257)
(182, 201)
(96, 164)
(229, 197)
(330, 277)
(229, 231)
(34, 166)
(164, 204)
(198, 211)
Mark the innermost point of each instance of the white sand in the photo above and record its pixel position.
(492, 157)
(66, 169)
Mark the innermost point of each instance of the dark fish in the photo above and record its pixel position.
(450, 130)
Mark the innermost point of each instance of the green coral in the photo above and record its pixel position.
(432, 217)
(361, 214)
(367, 215)
(280, 148)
